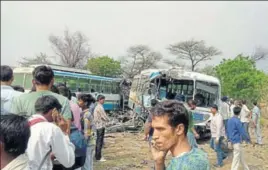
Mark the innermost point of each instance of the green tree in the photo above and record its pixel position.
(240, 79)
(104, 66)
(208, 70)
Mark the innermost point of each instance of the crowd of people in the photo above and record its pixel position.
(50, 128)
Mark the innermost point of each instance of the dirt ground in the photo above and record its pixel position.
(127, 151)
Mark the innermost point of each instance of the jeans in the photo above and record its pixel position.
(245, 126)
(192, 140)
(89, 159)
(99, 143)
(217, 147)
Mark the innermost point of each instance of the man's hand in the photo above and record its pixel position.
(196, 135)
(146, 137)
(62, 124)
(158, 156)
(52, 156)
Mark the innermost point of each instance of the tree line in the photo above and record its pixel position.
(239, 76)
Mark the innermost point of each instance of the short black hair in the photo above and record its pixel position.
(18, 88)
(153, 102)
(6, 73)
(15, 134)
(215, 106)
(45, 103)
(237, 110)
(65, 91)
(244, 102)
(100, 97)
(87, 98)
(43, 75)
(54, 89)
(175, 111)
(255, 103)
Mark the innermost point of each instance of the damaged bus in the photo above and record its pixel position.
(162, 84)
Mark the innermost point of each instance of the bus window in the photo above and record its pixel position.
(95, 84)
(84, 84)
(28, 81)
(18, 79)
(71, 83)
(59, 79)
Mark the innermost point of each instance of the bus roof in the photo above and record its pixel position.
(179, 73)
(63, 68)
(66, 73)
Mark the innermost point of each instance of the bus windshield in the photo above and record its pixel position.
(206, 94)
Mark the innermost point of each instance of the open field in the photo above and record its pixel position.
(127, 151)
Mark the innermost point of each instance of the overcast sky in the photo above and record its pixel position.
(232, 27)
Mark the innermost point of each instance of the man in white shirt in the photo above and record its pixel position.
(217, 135)
(256, 117)
(245, 115)
(7, 92)
(47, 137)
(225, 111)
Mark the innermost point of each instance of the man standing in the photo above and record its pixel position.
(192, 135)
(47, 137)
(256, 116)
(100, 119)
(225, 111)
(7, 92)
(148, 130)
(14, 136)
(170, 122)
(245, 115)
(217, 135)
(43, 79)
(235, 131)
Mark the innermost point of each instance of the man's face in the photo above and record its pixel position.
(102, 101)
(213, 110)
(164, 135)
(81, 103)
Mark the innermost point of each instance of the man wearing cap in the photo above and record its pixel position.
(217, 135)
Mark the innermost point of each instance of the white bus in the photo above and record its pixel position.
(76, 80)
(164, 84)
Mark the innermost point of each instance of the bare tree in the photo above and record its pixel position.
(260, 54)
(195, 51)
(139, 57)
(174, 63)
(73, 49)
(41, 58)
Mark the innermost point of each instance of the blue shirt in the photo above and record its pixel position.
(196, 159)
(235, 131)
(7, 96)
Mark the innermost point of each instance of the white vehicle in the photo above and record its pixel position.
(78, 81)
(164, 84)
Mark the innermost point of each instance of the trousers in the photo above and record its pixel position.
(238, 158)
(99, 143)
